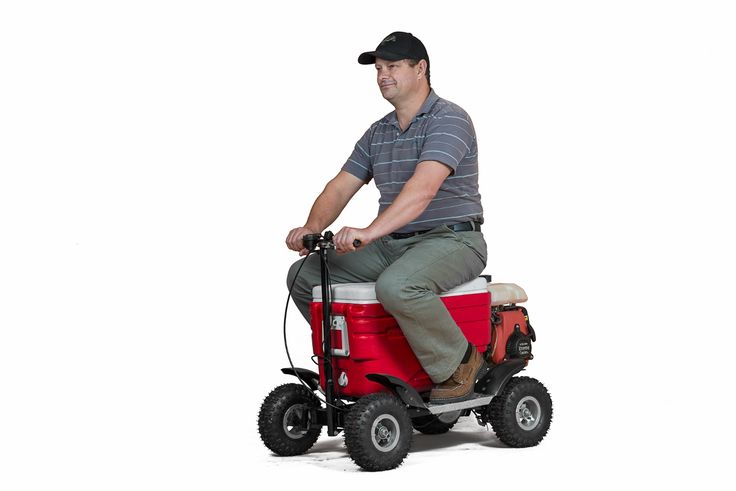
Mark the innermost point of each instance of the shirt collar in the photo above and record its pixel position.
(431, 99)
(428, 103)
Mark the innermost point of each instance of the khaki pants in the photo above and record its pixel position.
(409, 275)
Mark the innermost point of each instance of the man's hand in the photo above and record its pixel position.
(347, 235)
(294, 239)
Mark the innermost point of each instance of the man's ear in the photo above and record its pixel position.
(422, 67)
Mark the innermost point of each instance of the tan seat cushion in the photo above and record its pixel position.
(506, 293)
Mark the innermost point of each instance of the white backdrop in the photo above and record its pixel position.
(154, 154)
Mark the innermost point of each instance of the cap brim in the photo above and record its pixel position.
(369, 57)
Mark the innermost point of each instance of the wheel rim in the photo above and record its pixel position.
(296, 421)
(385, 433)
(528, 413)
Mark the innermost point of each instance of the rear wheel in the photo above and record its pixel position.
(285, 420)
(521, 413)
(378, 432)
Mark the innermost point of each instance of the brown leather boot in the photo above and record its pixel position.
(459, 386)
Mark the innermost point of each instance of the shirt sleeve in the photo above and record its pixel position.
(448, 140)
(359, 162)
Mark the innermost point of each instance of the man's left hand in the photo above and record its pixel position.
(347, 235)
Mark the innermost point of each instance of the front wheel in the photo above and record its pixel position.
(521, 413)
(285, 421)
(378, 432)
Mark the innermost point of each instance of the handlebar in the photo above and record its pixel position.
(312, 241)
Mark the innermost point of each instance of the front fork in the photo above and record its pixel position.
(331, 409)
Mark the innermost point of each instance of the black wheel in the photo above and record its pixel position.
(285, 420)
(521, 414)
(378, 432)
(435, 425)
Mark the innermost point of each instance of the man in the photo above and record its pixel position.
(426, 238)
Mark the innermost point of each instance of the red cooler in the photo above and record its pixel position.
(366, 339)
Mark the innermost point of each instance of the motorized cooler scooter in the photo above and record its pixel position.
(376, 391)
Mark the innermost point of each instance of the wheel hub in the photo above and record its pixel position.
(296, 421)
(528, 412)
(385, 433)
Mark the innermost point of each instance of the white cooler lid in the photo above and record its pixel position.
(366, 292)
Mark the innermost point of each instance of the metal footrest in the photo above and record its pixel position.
(476, 401)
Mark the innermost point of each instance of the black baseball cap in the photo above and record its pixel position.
(396, 46)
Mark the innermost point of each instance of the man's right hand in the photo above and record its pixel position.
(294, 239)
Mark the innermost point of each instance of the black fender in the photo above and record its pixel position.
(307, 376)
(494, 380)
(406, 392)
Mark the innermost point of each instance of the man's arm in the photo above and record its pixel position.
(326, 208)
(413, 199)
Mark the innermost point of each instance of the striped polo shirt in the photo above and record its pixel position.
(440, 131)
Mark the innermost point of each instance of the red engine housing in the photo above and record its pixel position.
(506, 320)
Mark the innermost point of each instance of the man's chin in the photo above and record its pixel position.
(388, 94)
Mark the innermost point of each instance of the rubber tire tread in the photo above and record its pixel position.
(502, 412)
(358, 423)
(271, 416)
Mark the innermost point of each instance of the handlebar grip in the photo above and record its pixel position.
(309, 241)
(357, 243)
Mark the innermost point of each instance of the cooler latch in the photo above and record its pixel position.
(339, 331)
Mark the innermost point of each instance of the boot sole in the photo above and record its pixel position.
(482, 370)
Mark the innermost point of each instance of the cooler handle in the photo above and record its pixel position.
(339, 324)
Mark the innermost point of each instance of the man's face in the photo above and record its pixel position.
(397, 79)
